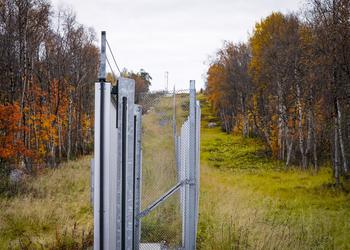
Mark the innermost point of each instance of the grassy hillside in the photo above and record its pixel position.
(52, 210)
(249, 201)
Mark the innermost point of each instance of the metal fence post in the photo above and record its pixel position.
(116, 168)
(191, 196)
(137, 175)
(184, 160)
(102, 173)
(197, 166)
(113, 166)
(125, 163)
(103, 57)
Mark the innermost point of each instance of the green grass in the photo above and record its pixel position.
(249, 201)
(52, 211)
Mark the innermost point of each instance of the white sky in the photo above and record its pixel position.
(172, 35)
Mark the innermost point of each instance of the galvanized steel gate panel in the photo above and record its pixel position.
(145, 174)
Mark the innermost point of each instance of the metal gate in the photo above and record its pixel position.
(146, 166)
(170, 168)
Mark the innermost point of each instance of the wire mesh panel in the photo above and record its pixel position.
(158, 155)
(163, 115)
(162, 228)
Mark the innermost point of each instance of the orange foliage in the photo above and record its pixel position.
(42, 121)
(216, 74)
(11, 146)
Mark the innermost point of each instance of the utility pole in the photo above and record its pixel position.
(166, 76)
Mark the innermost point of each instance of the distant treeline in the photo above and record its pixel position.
(48, 66)
(290, 85)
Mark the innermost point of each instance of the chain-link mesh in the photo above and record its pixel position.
(162, 226)
(163, 115)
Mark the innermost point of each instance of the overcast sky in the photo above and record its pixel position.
(172, 35)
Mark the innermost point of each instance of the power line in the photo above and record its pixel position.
(110, 50)
(115, 78)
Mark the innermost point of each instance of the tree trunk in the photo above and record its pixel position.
(314, 139)
(53, 153)
(245, 117)
(69, 146)
(300, 129)
(289, 152)
(336, 153)
(341, 141)
(59, 127)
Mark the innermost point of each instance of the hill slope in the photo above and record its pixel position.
(247, 201)
(250, 201)
(52, 210)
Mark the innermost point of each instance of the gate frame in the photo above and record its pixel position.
(117, 165)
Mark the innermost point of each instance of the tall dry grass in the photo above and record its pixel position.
(53, 209)
(249, 201)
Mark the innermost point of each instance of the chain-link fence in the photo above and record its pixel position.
(141, 147)
(154, 202)
(163, 115)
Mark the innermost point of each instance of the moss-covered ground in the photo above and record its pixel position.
(249, 201)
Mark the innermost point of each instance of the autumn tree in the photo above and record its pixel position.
(142, 81)
(330, 21)
(48, 70)
(290, 85)
(229, 86)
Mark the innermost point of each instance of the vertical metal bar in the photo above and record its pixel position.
(125, 164)
(197, 167)
(183, 148)
(102, 167)
(190, 242)
(111, 176)
(137, 176)
(134, 182)
(99, 147)
(102, 69)
(124, 156)
(97, 156)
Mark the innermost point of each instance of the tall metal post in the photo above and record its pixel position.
(125, 163)
(184, 165)
(103, 57)
(114, 166)
(137, 175)
(197, 167)
(100, 127)
(191, 196)
(117, 162)
(102, 170)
